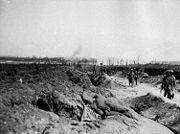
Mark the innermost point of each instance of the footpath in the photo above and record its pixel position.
(139, 90)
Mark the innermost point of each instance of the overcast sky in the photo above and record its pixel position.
(92, 28)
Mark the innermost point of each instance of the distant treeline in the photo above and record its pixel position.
(47, 60)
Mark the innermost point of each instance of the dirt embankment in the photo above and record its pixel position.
(60, 99)
(48, 98)
(159, 110)
(151, 105)
(45, 91)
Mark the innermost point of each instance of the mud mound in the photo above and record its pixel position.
(60, 104)
(46, 90)
(123, 125)
(79, 78)
(100, 80)
(155, 80)
(52, 99)
(105, 81)
(156, 108)
(116, 105)
(87, 97)
(97, 80)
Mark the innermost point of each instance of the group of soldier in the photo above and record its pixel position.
(133, 77)
(168, 82)
(101, 70)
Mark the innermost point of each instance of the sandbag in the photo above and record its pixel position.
(100, 101)
(99, 111)
(87, 98)
(115, 105)
(110, 113)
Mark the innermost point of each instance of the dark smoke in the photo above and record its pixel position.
(77, 52)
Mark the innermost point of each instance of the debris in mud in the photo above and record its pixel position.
(61, 105)
(88, 114)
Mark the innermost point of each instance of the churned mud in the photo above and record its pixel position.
(62, 99)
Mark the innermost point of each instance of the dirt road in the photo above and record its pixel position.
(139, 90)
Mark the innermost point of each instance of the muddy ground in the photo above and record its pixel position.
(55, 99)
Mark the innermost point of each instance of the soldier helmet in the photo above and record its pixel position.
(169, 71)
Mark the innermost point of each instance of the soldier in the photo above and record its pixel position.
(136, 75)
(94, 69)
(131, 78)
(104, 69)
(101, 68)
(168, 84)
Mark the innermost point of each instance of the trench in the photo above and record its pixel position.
(164, 113)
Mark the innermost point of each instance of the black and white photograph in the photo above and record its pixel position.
(89, 66)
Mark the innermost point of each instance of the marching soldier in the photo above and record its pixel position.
(168, 84)
(131, 78)
(94, 69)
(136, 75)
(101, 68)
